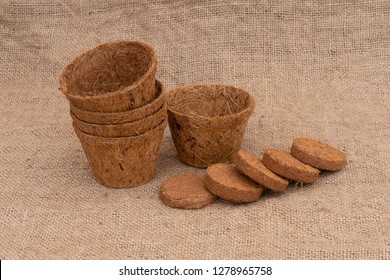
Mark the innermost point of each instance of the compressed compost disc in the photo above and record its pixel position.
(318, 154)
(186, 191)
(255, 169)
(226, 181)
(285, 165)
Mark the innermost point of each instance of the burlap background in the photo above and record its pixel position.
(317, 68)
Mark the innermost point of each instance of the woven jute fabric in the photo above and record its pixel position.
(316, 68)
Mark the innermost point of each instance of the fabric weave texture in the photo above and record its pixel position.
(316, 68)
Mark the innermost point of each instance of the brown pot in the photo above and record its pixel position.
(112, 77)
(128, 129)
(208, 121)
(122, 117)
(123, 162)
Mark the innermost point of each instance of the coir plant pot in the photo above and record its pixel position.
(112, 77)
(123, 162)
(208, 121)
(122, 130)
(125, 116)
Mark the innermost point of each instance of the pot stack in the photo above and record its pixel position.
(118, 111)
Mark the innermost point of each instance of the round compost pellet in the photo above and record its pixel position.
(287, 166)
(227, 182)
(318, 154)
(252, 167)
(186, 191)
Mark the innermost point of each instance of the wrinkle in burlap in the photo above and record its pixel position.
(316, 68)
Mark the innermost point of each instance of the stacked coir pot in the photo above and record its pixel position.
(118, 111)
